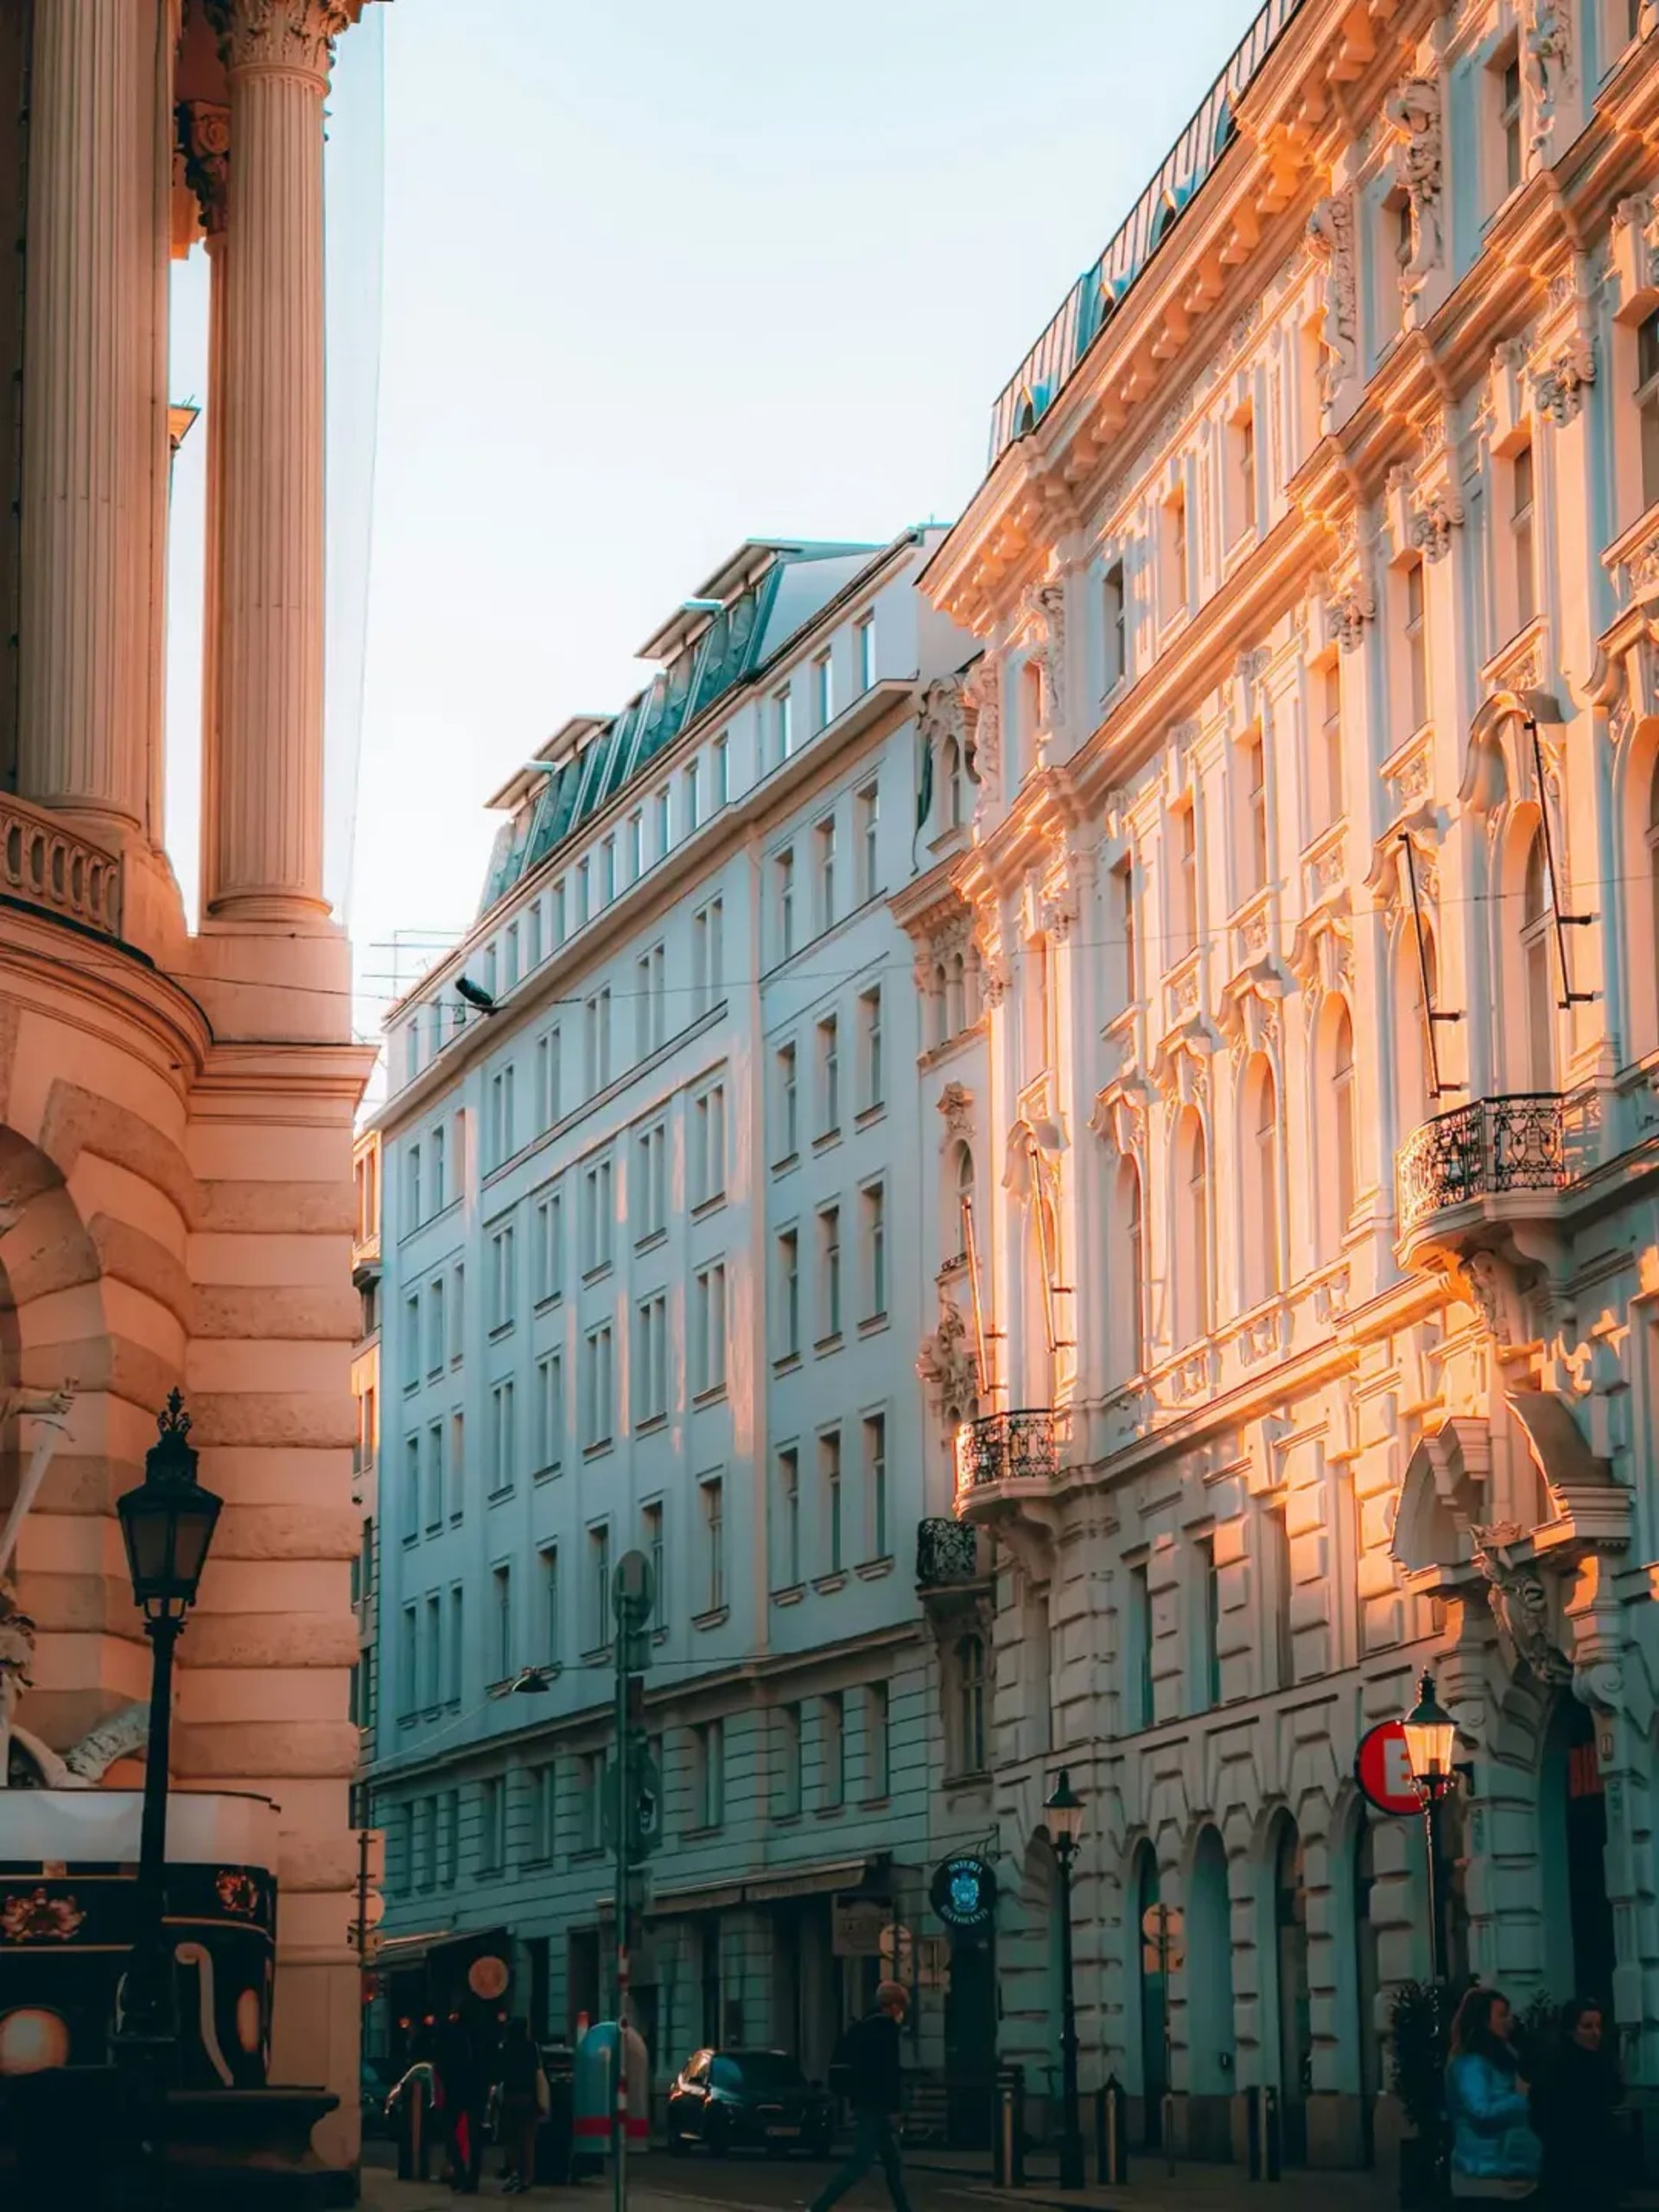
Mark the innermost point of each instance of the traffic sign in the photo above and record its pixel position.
(1164, 1928)
(633, 1590)
(1383, 1770)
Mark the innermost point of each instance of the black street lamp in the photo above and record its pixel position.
(1062, 1812)
(1431, 1745)
(167, 1523)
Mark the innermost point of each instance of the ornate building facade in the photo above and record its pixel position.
(176, 1105)
(1286, 941)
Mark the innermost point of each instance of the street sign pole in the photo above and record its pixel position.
(632, 1599)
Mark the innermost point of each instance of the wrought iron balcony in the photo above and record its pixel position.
(1021, 1446)
(947, 1555)
(1491, 1148)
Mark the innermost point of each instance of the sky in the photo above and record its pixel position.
(655, 279)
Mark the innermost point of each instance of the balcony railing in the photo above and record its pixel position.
(1007, 1447)
(947, 1555)
(1486, 1149)
(46, 864)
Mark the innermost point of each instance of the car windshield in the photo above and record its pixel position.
(763, 2071)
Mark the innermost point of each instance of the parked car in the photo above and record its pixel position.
(726, 2100)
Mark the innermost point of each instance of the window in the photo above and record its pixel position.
(709, 1145)
(433, 1654)
(1137, 1649)
(437, 1345)
(636, 847)
(1031, 705)
(591, 1784)
(511, 975)
(1259, 1162)
(824, 871)
(709, 1329)
(599, 1587)
(828, 1076)
(435, 1149)
(1647, 402)
(663, 807)
(823, 691)
(829, 1492)
(1130, 1305)
(829, 1273)
(457, 1622)
(648, 1196)
(533, 936)
(712, 1492)
(412, 1188)
(786, 1571)
(789, 1761)
(1416, 646)
(708, 974)
(501, 1622)
(503, 1279)
(492, 1823)
(1173, 543)
(502, 1146)
(1335, 795)
(412, 1337)
(1193, 1258)
(650, 1360)
(409, 1649)
(873, 1078)
(651, 1531)
(783, 870)
(1342, 1087)
(864, 650)
(867, 808)
(1509, 120)
(875, 1483)
(721, 759)
(597, 1411)
(1537, 917)
(872, 1225)
(547, 1245)
(969, 1729)
(832, 1761)
(789, 1294)
(540, 1790)
(1186, 885)
(489, 970)
(1277, 1597)
(549, 1081)
(1114, 627)
(783, 734)
(1243, 457)
(549, 1412)
(1256, 815)
(1208, 1612)
(559, 913)
(877, 1755)
(709, 1773)
(788, 1101)
(693, 795)
(607, 870)
(434, 1478)
(598, 1218)
(1525, 589)
(650, 1000)
(504, 1458)
(596, 1040)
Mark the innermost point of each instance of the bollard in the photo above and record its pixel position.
(1271, 2142)
(1253, 2134)
(1111, 2135)
(1002, 2141)
(413, 2147)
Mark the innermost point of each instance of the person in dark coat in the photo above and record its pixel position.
(524, 2088)
(1574, 2108)
(867, 2062)
(463, 2087)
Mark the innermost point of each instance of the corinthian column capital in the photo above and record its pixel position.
(205, 142)
(293, 38)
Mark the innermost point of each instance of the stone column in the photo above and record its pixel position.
(87, 703)
(262, 859)
(204, 140)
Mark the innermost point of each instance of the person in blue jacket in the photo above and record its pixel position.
(1494, 2151)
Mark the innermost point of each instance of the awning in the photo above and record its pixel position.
(873, 1874)
(394, 1952)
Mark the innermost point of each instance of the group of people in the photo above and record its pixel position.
(1543, 2127)
(481, 2065)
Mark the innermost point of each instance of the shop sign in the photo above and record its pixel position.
(964, 1892)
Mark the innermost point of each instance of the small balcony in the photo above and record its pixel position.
(1494, 1160)
(1014, 1447)
(950, 1555)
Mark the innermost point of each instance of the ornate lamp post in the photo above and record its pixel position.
(1062, 1812)
(1431, 1745)
(167, 1523)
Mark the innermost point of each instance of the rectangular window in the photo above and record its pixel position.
(789, 1761)
(830, 1492)
(543, 1806)
(1174, 541)
(829, 1273)
(437, 1342)
(693, 795)
(720, 758)
(503, 1443)
(651, 1519)
(786, 1572)
(864, 650)
(607, 871)
(1256, 815)
(552, 1608)
(408, 1668)
(1647, 404)
(489, 970)
(503, 1279)
(457, 1622)
(713, 1495)
(549, 1082)
(823, 868)
(502, 1144)
(1525, 589)
(832, 1731)
(598, 1389)
(823, 691)
(877, 1756)
(501, 1646)
(650, 1360)
(648, 1209)
(596, 1040)
(559, 905)
(599, 1587)
(451, 1838)
(1113, 626)
(707, 958)
(433, 1654)
(1243, 499)
(709, 1329)
(1187, 888)
(828, 1076)
(873, 1074)
(435, 1478)
(457, 1463)
(547, 1252)
(412, 1188)
(1335, 790)
(1209, 1621)
(875, 1483)
(783, 871)
(411, 1488)
(636, 848)
(1508, 121)
(591, 1782)
(533, 935)
(435, 1146)
(1277, 1592)
(598, 1218)
(549, 1412)
(1416, 646)
(783, 726)
(867, 811)
(1137, 1650)
(1123, 903)
(709, 1145)
(511, 975)
(650, 1000)
(492, 1823)
(788, 1333)
(787, 1086)
(873, 1228)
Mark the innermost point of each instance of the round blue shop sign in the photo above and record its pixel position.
(964, 1892)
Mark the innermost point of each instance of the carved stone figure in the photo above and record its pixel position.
(1520, 1606)
(1351, 605)
(955, 1103)
(1331, 237)
(39, 1405)
(1558, 388)
(1047, 605)
(1433, 522)
(982, 693)
(946, 1362)
(1415, 111)
(16, 1656)
(1547, 66)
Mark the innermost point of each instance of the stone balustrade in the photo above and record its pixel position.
(47, 865)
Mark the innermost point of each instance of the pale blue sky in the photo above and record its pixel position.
(661, 278)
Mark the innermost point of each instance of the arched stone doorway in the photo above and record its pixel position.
(1291, 2059)
(1153, 2006)
(1573, 1857)
(1211, 2040)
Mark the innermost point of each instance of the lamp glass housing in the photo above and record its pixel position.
(1063, 1814)
(1431, 1739)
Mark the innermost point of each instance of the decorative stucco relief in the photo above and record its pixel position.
(1330, 237)
(1415, 111)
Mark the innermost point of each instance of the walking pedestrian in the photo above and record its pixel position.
(463, 2087)
(868, 2062)
(1575, 2105)
(1494, 2151)
(523, 2101)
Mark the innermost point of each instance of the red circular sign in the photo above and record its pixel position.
(1383, 1770)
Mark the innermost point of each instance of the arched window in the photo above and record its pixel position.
(1343, 1126)
(1037, 1006)
(1031, 700)
(1536, 920)
(1411, 1025)
(1192, 1244)
(955, 996)
(961, 1200)
(970, 1704)
(1259, 1162)
(1128, 1292)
